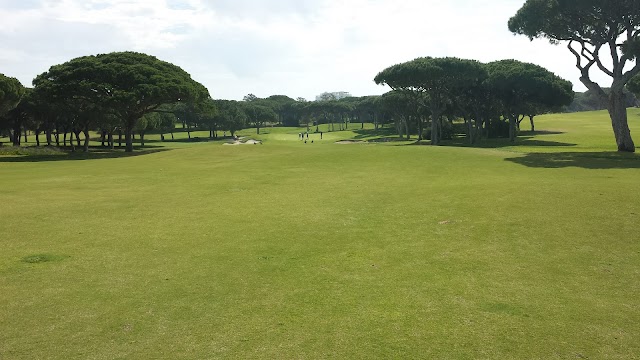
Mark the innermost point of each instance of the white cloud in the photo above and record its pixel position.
(297, 48)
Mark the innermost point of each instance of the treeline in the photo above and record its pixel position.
(121, 95)
(590, 101)
(492, 99)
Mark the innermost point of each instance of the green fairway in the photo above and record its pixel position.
(287, 250)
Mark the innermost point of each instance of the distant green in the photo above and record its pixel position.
(289, 250)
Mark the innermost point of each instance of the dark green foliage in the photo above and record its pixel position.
(592, 27)
(498, 128)
(595, 21)
(125, 84)
(447, 131)
(230, 116)
(526, 89)
(438, 79)
(634, 85)
(258, 114)
(11, 91)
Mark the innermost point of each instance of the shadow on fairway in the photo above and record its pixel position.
(502, 143)
(187, 140)
(376, 135)
(585, 160)
(70, 156)
(526, 138)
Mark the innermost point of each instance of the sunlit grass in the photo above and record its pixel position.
(292, 250)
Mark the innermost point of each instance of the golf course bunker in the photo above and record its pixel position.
(248, 142)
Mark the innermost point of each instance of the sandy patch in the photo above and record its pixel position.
(248, 142)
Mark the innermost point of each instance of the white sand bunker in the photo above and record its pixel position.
(241, 142)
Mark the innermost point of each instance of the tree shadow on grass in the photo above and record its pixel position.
(187, 140)
(584, 160)
(383, 133)
(524, 139)
(71, 156)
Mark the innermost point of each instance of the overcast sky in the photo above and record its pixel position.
(298, 48)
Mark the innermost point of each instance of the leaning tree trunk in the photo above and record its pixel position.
(618, 112)
(86, 138)
(533, 126)
(77, 133)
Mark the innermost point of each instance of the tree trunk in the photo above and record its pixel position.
(435, 128)
(172, 138)
(128, 134)
(86, 138)
(48, 135)
(77, 133)
(26, 140)
(420, 129)
(258, 129)
(478, 129)
(111, 142)
(618, 113)
(38, 138)
(57, 138)
(533, 126)
(142, 138)
(512, 128)
(14, 138)
(103, 137)
(518, 122)
(119, 138)
(64, 139)
(406, 129)
(17, 135)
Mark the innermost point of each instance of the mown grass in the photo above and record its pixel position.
(292, 250)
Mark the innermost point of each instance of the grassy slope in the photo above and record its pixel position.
(291, 250)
